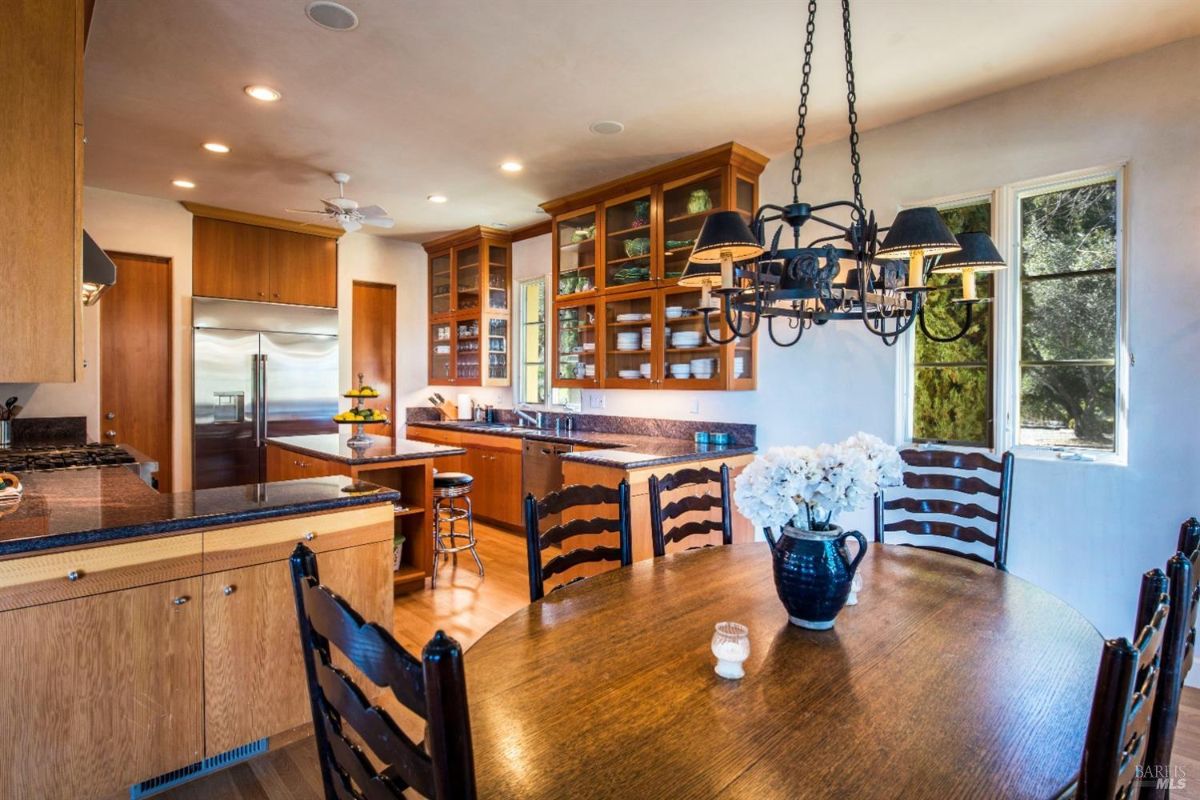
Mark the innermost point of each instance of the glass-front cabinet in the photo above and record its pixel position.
(575, 253)
(632, 341)
(578, 357)
(629, 242)
(470, 286)
(691, 360)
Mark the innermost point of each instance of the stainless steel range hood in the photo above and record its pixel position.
(99, 272)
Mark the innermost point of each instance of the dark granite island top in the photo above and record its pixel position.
(73, 508)
(382, 449)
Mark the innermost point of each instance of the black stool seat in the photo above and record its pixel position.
(444, 480)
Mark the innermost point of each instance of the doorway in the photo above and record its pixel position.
(373, 345)
(136, 397)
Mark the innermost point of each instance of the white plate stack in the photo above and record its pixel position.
(674, 312)
(629, 317)
(589, 371)
(681, 371)
(629, 374)
(702, 368)
(629, 340)
(739, 366)
(644, 370)
(685, 340)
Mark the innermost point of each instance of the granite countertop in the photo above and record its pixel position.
(382, 449)
(71, 508)
(625, 451)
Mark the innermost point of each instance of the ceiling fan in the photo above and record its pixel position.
(345, 212)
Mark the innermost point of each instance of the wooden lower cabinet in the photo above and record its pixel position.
(101, 692)
(496, 492)
(287, 465)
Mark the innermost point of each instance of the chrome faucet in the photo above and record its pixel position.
(535, 419)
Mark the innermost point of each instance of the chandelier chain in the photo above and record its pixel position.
(802, 111)
(852, 114)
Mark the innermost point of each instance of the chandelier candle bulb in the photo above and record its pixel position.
(968, 284)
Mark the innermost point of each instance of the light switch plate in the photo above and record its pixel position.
(597, 399)
(696, 406)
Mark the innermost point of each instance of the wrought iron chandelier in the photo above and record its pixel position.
(848, 272)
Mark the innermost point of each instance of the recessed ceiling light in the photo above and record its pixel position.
(183, 184)
(437, 198)
(216, 147)
(264, 93)
(331, 16)
(606, 127)
(512, 166)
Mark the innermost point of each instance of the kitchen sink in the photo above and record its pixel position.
(498, 427)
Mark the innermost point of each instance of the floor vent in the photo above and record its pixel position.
(175, 777)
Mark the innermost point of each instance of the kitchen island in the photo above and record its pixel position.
(403, 465)
(145, 632)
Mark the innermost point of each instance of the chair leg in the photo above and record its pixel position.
(471, 535)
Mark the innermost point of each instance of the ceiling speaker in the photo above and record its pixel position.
(332, 16)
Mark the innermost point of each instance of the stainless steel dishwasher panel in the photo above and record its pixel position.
(541, 471)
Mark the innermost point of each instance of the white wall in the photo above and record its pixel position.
(1084, 531)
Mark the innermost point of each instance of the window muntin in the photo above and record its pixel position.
(532, 385)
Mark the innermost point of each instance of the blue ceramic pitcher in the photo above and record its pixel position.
(813, 572)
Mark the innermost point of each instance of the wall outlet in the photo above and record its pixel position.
(597, 399)
(696, 406)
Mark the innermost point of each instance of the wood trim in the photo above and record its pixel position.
(39, 579)
(247, 218)
(740, 156)
(230, 548)
(466, 236)
(491, 442)
(533, 231)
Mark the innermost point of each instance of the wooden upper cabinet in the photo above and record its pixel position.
(41, 168)
(302, 269)
(239, 261)
(230, 260)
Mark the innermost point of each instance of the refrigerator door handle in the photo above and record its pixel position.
(256, 403)
(262, 380)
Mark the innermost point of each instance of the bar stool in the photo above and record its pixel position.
(447, 488)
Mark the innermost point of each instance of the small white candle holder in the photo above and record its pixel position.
(731, 646)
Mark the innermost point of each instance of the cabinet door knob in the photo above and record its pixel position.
(181, 600)
(228, 590)
(309, 536)
(74, 575)
(110, 415)
(262, 294)
(110, 434)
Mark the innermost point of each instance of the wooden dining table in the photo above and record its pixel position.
(947, 679)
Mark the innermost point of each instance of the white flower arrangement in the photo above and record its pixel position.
(808, 486)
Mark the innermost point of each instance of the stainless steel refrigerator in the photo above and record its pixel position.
(258, 370)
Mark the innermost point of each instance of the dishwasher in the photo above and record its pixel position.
(541, 469)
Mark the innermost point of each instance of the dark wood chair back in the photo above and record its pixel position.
(553, 505)
(1118, 730)
(716, 495)
(977, 521)
(434, 688)
(1179, 644)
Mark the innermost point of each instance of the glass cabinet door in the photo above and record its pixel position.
(441, 352)
(498, 272)
(686, 204)
(575, 238)
(466, 351)
(466, 278)
(630, 353)
(576, 343)
(439, 285)
(627, 241)
(497, 350)
(692, 360)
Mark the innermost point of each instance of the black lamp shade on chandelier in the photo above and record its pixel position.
(978, 253)
(724, 239)
(918, 230)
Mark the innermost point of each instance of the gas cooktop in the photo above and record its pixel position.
(44, 459)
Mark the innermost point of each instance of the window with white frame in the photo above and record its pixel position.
(1041, 366)
(531, 383)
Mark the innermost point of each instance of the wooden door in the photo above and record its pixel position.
(506, 487)
(303, 269)
(254, 683)
(229, 259)
(101, 692)
(373, 348)
(135, 360)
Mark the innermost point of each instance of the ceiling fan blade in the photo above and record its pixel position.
(304, 211)
(349, 225)
(379, 222)
(332, 207)
(372, 211)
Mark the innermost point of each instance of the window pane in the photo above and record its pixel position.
(1068, 406)
(1069, 230)
(953, 403)
(1069, 317)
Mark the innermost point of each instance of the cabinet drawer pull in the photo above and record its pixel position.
(74, 575)
(228, 590)
(309, 536)
(181, 600)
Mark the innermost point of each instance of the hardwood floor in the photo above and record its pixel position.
(466, 607)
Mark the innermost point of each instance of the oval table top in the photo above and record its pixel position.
(948, 679)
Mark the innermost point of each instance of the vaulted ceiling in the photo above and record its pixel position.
(429, 97)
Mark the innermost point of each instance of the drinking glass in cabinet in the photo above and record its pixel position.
(467, 277)
(439, 281)
(497, 283)
(497, 339)
(440, 357)
(577, 254)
